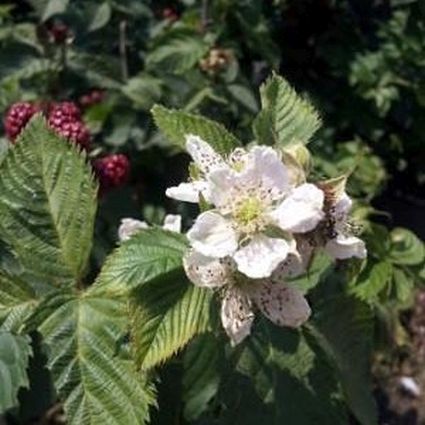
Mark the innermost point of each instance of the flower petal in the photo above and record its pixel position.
(295, 263)
(283, 305)
(204, 156)
(269, 170)
(173, 223)
(301, 211)
(213, 236)
(189, 192)
(129, 227)
(261, 256)
(207, 272)
(236, 315)
(343, 247)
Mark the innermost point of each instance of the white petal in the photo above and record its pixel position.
(224, 186)
(189, 192)
(236, 315)
(261, 256)
(283, 305)
(173, 223)
(269, 170)
(206, 271)
(343, 247)
(129, 227)
(213, 235)
(342, 207)
(204, 156)
(301, 211)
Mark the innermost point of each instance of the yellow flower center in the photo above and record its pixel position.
(248, 214)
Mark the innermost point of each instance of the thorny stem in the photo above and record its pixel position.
(123, 50)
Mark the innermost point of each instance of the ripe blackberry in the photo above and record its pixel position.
(112, 171)
(17, 117)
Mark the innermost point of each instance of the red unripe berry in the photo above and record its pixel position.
(65, 119)
(17, 117)
(170, 14)
(59, 33)
(112, 171)
(62, 110)
(92, 98)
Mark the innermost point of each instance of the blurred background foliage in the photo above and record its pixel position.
(361, 63)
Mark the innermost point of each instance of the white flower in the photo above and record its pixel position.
(130, 226)
(342, 244)
(252, 193)
(206, 160)
(282, 304)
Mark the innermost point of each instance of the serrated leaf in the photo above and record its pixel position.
(177, 52)
(285, 118)
(17, 301)
(372, 281)
(402, 286)
(47, 204)
(167, 313)
(15, 351)
(145, 256)
(347, 325)
(176, 125)
(201, 375)
(97, 385)
(293, 377)
(406, 247)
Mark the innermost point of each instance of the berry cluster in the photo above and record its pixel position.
(17, 117)
(65, 118)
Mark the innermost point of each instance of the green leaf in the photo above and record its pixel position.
(402, 286)
(347, 325)
(201, 376)
(101, 16)
(406, 247)
(15, 351)
(285, 118)
(293, 377)
(145, 256)
(48, 204)
(143, 90)
(176, 125)
(17, 301)
(47, 8)
(177, 52)
(97, 385)
(167, 313)
(372, 281)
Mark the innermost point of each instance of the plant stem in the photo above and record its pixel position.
(123, 50)
(204, 15)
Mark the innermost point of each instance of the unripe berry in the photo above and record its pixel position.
(112, 171)
(169, 14)
(17, 117)
(92, 98)
(65, 119)
(60, 33)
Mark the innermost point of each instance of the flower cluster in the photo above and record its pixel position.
(262, 225)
